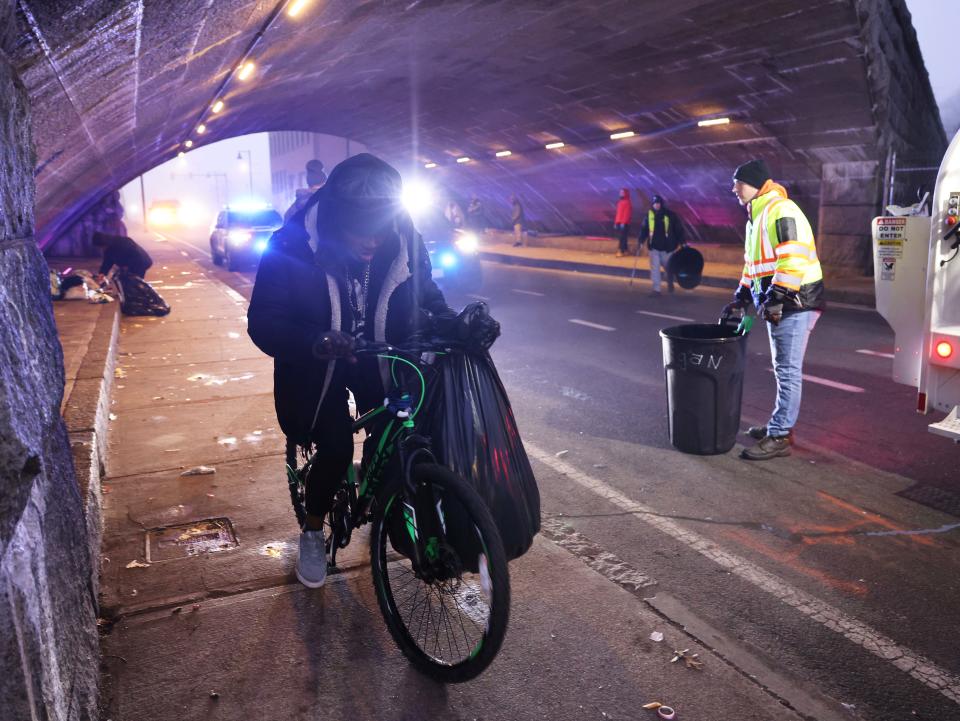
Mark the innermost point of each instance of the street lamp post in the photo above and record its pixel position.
(249, 167)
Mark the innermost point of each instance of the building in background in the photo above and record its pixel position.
(289, 152)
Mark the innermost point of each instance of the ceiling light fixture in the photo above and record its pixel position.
(430, 165)
(464, 159)
(554, 146)
(503, 153)
(247, 70)
(217, 106)
(295, 7)
(188, 143)
(181, 154)
(201, 129)
(622, 134)
(713, 121)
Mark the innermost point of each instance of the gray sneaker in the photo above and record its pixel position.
(312, 559)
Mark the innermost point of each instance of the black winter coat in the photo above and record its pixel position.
(296, 299)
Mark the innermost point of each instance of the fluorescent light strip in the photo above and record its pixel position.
(623, 134)
(713, 121)
(201, 129)
(503, 153)
(217, 106)
(247, 70)
(430, 165)
(554, 146)
(464, 159)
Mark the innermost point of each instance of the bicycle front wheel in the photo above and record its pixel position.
(448, 613)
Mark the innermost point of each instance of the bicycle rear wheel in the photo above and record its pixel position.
(449, 616)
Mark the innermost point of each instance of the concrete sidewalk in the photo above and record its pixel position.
(202, 617)
(722, 268)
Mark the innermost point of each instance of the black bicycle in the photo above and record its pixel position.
(439, 568)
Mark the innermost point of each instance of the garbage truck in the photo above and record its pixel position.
(917, 280)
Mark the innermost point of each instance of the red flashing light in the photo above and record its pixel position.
(943, 349)
(951, 220)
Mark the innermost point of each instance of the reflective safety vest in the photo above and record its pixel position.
(651, 216)
(779, 244)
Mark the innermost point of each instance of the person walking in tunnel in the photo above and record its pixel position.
(122, 252)
(663, 231)
(782, 278)
(316, 177)
(347, 266)
(517, 220)
(621, 220)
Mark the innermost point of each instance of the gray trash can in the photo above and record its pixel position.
(704, 367)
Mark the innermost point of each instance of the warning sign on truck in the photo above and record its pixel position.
(888, 268)
(890, 236)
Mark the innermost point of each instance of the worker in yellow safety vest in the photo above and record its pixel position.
(782, 278)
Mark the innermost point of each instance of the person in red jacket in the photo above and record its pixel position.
(621, 221)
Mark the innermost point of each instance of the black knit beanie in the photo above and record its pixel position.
(753, 172)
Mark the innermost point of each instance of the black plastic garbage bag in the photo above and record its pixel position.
(137, 297)
(474, 433)
(686, 264)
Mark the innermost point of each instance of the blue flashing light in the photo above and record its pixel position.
(260, 246)
(248, 205)
(448, 260)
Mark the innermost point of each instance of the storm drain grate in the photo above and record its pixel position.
(210, 535)
(933, 497)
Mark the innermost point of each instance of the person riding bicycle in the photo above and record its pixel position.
(349, 265)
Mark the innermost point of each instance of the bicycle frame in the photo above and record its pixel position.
(398, 439)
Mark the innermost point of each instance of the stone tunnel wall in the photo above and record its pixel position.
(908, 122)
(76, 239)
(49, 663)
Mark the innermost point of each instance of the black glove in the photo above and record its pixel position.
(334, 344)
(741, 300)
(773, 312)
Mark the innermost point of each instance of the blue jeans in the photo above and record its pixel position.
(788, 344)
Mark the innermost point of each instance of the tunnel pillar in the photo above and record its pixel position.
(49, 657)
(849, 194)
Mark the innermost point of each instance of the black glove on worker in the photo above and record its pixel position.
(774, 301)
(741, 300)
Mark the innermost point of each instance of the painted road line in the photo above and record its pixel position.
(528, 292)
(830, 384)
(234, 294)
(591, 325)
(665, 315)
(815, 609)
(875, 352)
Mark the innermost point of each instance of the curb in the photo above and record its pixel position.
(837, 295)
(86, 414)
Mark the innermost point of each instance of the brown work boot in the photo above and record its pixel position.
(769, 447)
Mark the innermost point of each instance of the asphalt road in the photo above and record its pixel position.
(807, 573)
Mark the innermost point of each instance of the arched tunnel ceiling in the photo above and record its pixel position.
(116, 87)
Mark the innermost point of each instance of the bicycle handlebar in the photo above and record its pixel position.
(409, 350)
